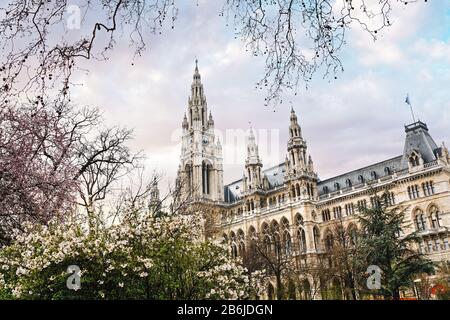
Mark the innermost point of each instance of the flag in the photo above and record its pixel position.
(407, 99)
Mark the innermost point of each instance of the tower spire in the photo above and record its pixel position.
(253, 163)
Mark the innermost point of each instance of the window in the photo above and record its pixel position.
(349, 209)
(316, 235)
(298, 219)
(420, 220)
(326, 216)
(435, 218)
(373, 175)
(413, 192)
(337, 212)
(387, 171)
(301, 240)
(446, 244)
(430, 246)
(375, 202)
(287, 243)
(388, 198)
(348, 183)
(362, 204)
(241, 242)
(414, 160)
(337, 186)
(329, 242)
(353, 233)
(428, 188)
(437, 244)
(422, 247)
(361, 179)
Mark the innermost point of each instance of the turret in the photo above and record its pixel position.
(253, 164)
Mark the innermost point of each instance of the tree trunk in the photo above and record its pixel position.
(396, 294)
(279, 287)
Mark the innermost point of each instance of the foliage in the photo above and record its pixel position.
(383, 243)
(148, 258)
(51, 154)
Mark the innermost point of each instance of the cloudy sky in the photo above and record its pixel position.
(350, 122)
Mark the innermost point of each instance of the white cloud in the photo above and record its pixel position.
(348, 123)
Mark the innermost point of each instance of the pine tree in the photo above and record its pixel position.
(382, 243)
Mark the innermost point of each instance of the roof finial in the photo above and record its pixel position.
(196, 64)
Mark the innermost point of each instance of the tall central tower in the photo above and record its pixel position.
(200, 173)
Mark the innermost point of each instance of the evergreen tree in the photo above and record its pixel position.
(383, 243)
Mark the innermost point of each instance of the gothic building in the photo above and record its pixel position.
(304, 208)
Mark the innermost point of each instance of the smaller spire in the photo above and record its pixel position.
(196, 72)
(185, 124)
(210, 120)
(293, 115)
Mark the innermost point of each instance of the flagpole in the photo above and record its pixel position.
(408, 101)
(412, 113)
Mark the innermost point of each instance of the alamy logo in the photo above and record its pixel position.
(74, 280)
(374, 279)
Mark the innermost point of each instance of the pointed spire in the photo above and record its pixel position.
(252, 149)
(293, 115)
(210, 120)
(185, 124)
(196, 73)
(251, 136)
(294, 128)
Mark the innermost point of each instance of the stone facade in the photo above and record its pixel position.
(292, 196)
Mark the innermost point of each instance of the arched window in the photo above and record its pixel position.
(361, 179)
(189, 180)
(287, 243)
(298, 219)
(329, 242)
(353, 234)
(419, 220)
(387, 171)
(373, 175)
(301, 236)
(251, 234)
(224, 239)
(435, 219)
(337, 186)
(348, 183)
(206, 178)
(234, 251)
(241, 242)
(325, 189)
(297, 188)
(316, 234)
(414, 159)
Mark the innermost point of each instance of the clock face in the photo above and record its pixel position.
(205, 140)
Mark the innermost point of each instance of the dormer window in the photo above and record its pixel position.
(373, 175)
(387, 171)
(361, 179)
(337, 186)
(348, 183)
(325, 189)
(414, 159)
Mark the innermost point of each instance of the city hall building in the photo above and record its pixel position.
(292, 197)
